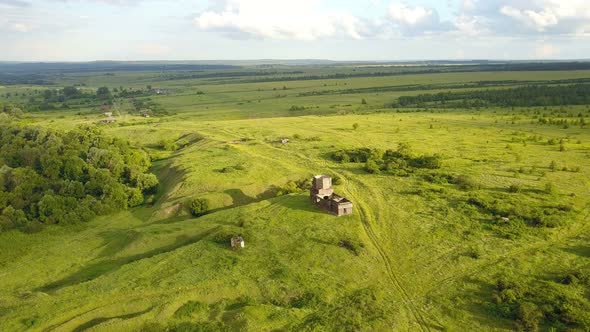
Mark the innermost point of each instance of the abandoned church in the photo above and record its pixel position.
(322, 195)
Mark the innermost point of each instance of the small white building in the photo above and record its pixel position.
(237, 242)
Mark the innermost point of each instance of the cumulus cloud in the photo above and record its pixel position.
(414, 20)
(406, 15)
(305, 20)
(569, 17)
(301, 20)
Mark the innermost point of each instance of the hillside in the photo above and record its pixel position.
(490, 241)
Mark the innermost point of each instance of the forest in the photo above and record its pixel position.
(51, 177)
(528, 96)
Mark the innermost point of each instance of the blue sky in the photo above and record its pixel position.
(82, 30)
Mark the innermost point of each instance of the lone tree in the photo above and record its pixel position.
(103, 93)
(355, 126)
(199, 207)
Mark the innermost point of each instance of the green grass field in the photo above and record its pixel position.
(423, 259)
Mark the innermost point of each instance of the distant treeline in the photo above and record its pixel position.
(24, 79)
(416, 87)
(184, 76)
(50, 177)
(104, 66)
(438, 69)
(528, 96)
(46, 73)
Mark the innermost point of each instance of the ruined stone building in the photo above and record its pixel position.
(322, 195)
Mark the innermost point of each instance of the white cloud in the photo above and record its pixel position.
(521, 17)
(537, 20)
(307, 20)
(416, 20)
(300, 20)
(406, 15)
(470, 25)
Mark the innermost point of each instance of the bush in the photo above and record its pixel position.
(187, 309)
(352, 246)
(167, 145)
(429, 162)
(296, 108)
(372, 167)
(550, 188)
(529, 316)
(514, 188)
(336, 180)
(534, 303)
(467, 183)
(198, 207)
(293, 187)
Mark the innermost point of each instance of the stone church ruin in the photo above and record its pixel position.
(323, 196)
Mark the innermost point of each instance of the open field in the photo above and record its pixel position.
(426, 253)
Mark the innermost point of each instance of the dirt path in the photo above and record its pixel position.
(367, 219)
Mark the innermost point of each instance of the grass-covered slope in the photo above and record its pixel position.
(425, 250)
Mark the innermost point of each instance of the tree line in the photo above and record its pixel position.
(52, 177)
(528, 96)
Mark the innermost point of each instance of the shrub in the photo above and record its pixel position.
(352, 246)
(404, 149)
(187, 309)
(336, 180)
(529, 316)
(550, 188)
(429, 162)
(514, 188)
(296, 108)
(293, 187)
(467, 183)
(198, 206)
(306, 300)
(372, 167)
(167, 145)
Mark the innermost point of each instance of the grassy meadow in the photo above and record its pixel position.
(423, 251)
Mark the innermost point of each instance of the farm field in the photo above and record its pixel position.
(489, 239)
